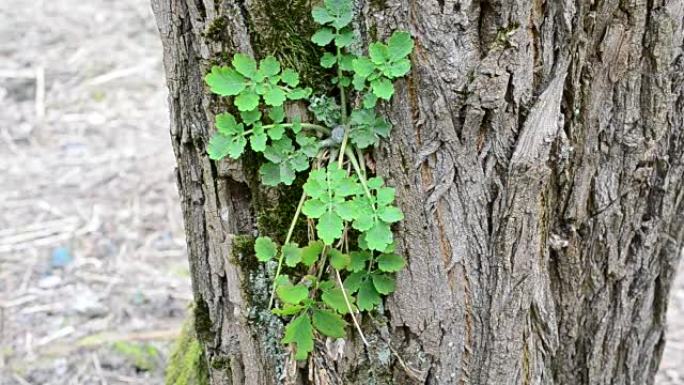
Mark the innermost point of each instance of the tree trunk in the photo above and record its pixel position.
(537, 152)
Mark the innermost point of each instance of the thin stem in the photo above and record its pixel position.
(362, 161)
(343, 103)
(359, 173)
(343, 147)
(349, 307)
(324, 259)
(343, 96)
(287, 240)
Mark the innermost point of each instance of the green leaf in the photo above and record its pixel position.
(316, 185)
(363, 66)
(276, 132)
(384, 284)
(390, 214)
(378, 53)
(344, 38)
(365, 217)
(385, 195)
(258, 141)
(379, 236)
(250, 117)
(367, 128)
(225, 81)
(276, 114)
(314, 208)
(299, 93)
(329, 323)
(290, 77)
(338, 260)
(391, 262)
(323, 36)
(354, 280)
(359, 82)
(368, 297)
(399, 45)
(279, 150)
(296, 128)
(399, 68)
(346, 62)
(265, 249)
(335, 299)
(227, 125)
(321, 15)
(348, 210)
(288, 309)
(229, 141)
(287, 173)
(270, 174)
(341, 12)
(274, 97)
(269, 66)
(329, 227)
(221, 146)
(293, 294)
(292, 254)
(345, 81)
(300, 333)
(311, 252)
(299, 161)
(244, 65)
(358, 260)
(382, 88)
(369, 100)
(375, 183)
(328, 60)
(247, 100)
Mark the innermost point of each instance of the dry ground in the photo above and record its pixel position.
(93, 273)
(93, 276)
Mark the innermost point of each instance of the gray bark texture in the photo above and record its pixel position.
(538, 155)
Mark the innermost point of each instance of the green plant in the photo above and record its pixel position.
(350, 211)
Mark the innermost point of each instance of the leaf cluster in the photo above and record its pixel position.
(350, 215)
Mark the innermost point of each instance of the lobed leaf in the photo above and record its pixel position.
(300, 333)
(245, 65)
(292, 294)
(399, 45)
(329, 323)
(338, 259)
(323, 36)
(383, 283)
(265, 248)
(225, 81)
(391, 262)
(292, 254)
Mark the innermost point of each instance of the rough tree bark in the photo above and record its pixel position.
(537, 152)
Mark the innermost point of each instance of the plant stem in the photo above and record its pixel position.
(362, 161)
(351, 311)
(323, 259)
(359, 173)
(287, 240)
(343, 103)
(343, 96)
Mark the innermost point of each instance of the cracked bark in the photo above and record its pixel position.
(538, 154)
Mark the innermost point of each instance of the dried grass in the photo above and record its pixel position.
(85, 165)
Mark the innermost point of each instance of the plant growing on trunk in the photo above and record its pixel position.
(349, 262)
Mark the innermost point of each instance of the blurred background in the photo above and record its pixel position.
(94, 283)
